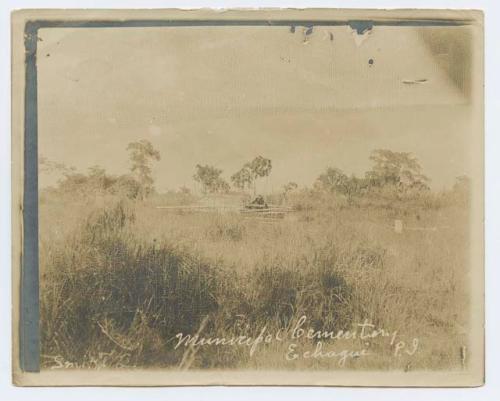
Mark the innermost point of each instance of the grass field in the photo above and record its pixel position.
(120, 280)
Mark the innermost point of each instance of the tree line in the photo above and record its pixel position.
(245, 178)
(397, 171)
(137, 184)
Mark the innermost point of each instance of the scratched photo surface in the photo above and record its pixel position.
(256, 197)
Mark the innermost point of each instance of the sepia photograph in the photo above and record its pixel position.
(273, 197)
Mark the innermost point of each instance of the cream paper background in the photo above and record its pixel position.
(471, 378)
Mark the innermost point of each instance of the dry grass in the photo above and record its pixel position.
(119, 281)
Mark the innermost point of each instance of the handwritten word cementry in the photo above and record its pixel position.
(361, 331)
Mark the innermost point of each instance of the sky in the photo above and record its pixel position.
(223, 95)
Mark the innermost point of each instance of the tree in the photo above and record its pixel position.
(126, 185)
(355, 187)
(260, 167)
(96, 182)
(210, 179)
(141, 154)
(243, 178)
(97, 179)
(290, 187)
(399, 169)
(250, 172)
(333, 180)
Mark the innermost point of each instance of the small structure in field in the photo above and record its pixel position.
(258, 203)
(259, 208)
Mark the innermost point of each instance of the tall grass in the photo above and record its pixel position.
(102, 285)
(122, 282)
